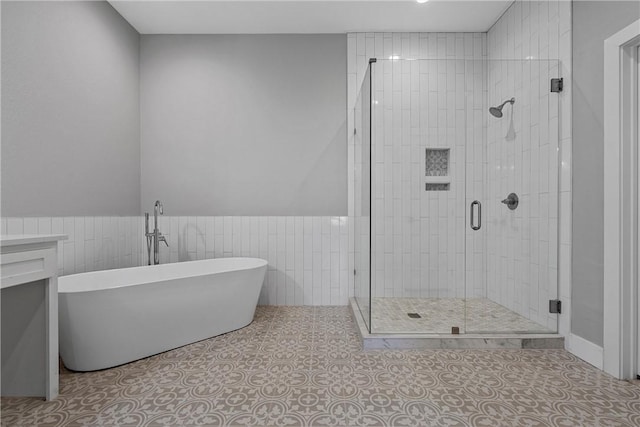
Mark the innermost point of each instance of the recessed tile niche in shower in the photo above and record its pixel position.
(437, 162)
(437, 169)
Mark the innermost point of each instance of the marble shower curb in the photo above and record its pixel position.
(441, 341)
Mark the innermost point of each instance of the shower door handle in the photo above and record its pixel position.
(476, 227)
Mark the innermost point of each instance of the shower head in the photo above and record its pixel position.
(497, 111)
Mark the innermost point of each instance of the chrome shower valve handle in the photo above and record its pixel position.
(511, 201)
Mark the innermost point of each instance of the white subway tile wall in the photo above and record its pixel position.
(523, 244)
(437, 102)
(308, 256)
(94, 243)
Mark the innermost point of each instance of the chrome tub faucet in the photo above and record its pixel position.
(154, 237)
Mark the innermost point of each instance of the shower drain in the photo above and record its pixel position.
(414, 315)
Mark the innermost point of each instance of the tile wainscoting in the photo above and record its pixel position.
(308, 256)
(94, 242)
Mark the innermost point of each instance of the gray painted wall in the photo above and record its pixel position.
(593, 22)
(70, 110)
(244, 124)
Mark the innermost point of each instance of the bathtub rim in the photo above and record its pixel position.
(118, 284)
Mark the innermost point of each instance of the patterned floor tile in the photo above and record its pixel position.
(304, 366)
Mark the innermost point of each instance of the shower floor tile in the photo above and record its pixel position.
(439, 315)
(304, 366)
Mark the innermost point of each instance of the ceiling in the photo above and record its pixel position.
(309, 16)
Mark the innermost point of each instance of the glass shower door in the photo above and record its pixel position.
(418, 196)
(512, 277)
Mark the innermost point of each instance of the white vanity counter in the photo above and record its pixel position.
(29, 298)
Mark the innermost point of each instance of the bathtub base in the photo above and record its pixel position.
(104, 328)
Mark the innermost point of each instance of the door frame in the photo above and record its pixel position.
(637, 112)
(621, 164)
(637, 372)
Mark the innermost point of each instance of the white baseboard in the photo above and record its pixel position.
(586, 350)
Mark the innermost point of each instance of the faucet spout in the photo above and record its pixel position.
(158, 208)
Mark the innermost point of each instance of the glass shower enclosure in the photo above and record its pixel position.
(456, 196)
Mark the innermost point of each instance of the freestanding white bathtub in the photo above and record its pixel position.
(112, 317)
